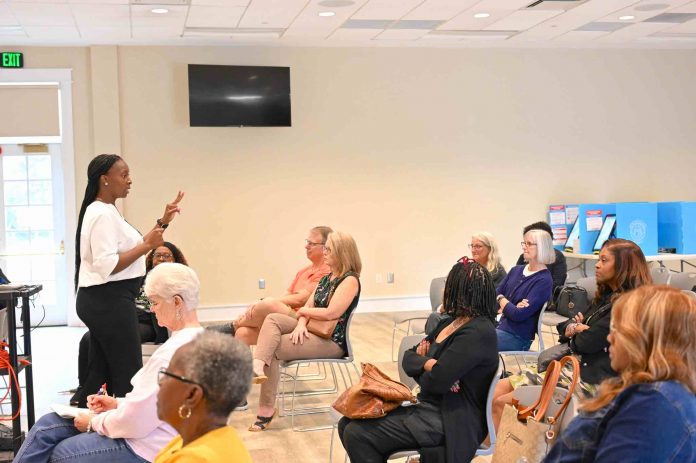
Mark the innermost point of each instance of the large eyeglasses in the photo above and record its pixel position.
(163, 372)
(312, 244)
(163, 255)
(477, 247)
(527, 244)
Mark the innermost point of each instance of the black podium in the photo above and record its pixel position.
(11, 296)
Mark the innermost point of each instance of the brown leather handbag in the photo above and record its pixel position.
(322, 328)
(373, 397)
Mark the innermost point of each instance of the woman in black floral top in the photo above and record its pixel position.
(284, 337)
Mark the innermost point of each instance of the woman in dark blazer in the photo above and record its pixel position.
(454, 367)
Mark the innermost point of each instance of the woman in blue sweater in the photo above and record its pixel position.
(523, 293)
(648, 412)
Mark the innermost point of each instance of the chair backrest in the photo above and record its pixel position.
(489, 411)
(540, 334)
(406, 343)
(437, 291)
(590, 285)
(683, 280)
(689, 293)
(660, 275)
(349, 346)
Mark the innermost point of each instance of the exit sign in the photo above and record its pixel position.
(11, 59)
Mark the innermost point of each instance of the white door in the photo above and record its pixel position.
(32, 226)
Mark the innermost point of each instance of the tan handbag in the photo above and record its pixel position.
(322, 328)
(528, 433)
(374, 396)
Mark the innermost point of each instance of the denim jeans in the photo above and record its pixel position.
(55, 439)
(508, 341)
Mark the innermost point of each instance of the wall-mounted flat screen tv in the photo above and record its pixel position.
(238, 96)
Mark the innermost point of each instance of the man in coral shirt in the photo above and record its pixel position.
(246, 328)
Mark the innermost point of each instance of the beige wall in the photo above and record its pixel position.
(409, 150)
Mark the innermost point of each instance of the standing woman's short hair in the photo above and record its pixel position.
(345, 250)
(494, 254)
(544, 242)
(656, 326)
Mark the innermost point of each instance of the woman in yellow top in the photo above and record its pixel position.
(206, 379)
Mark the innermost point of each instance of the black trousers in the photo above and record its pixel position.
(115, 354)
(406, 428)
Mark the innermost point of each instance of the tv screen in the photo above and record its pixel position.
(224, 96)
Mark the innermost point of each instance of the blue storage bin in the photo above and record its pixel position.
(676, 226)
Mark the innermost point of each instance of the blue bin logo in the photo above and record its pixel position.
(638, 230)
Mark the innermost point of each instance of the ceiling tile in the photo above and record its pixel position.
(309, 24)
(52, 32)
(632, 32)
(226, 3)
(687, 27)
(578, 37)
(467, 22)
(686, 8)
(214, 16)
(43, 14)
(676, 18)
(97, 2)
(401, 34)
(354, 34)
(7, 18)
(523, 20)
(386, 9)
(101, 15)
(441, 10)
(367, 24)
(142, 16)
(644, 10)
(602, 26)
(153, 32)
(106, 34)
(415, 24)
(271, 13)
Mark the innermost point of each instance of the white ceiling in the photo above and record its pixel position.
(361, 23)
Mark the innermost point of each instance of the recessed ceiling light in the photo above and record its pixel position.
(628, 17)
(159, 10)
(326, 14)
(481, 15)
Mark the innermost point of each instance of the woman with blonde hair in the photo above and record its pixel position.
(648, 412)
(283, 337)
(484, 250)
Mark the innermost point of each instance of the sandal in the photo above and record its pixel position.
(259, 379)
(262, 422)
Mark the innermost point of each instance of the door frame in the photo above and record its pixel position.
(63, 77)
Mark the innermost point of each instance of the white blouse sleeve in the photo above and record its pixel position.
(103, 243)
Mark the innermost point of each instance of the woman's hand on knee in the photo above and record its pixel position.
(81, 422)
(299, 334)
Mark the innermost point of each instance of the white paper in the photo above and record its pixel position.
(557, 218)
(594, 223)
(571, 214)
(68, 412)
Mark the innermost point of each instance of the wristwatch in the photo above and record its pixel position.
(162, 224)
(497, 299)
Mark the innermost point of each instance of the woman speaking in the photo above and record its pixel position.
(109, 267)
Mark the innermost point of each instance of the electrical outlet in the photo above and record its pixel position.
(390, 278)
(262, 283)
(378, 278)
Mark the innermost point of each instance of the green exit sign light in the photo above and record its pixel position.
(11, 59)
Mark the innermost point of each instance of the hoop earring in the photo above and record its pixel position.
(181, 412)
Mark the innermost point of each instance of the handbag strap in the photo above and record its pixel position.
(571, 389)
(538, 409)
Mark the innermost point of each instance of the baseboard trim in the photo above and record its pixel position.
(367, 304)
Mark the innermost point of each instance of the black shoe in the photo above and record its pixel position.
(241, 407)
(224, 328)
(75, 399)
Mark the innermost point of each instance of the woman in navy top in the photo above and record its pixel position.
(648, 412)
(524, 291)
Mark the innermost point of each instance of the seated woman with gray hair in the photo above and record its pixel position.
(127, 429)
(524, 291)
(206, 379)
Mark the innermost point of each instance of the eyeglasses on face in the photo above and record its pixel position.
(477, 247)
(163, 372)
(162, 256)
(527, 244)
(312, 244)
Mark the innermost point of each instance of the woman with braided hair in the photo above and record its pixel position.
(454, 367)
(109, 268)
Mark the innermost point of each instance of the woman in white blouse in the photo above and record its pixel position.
(109, 267)
(125, 430)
